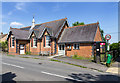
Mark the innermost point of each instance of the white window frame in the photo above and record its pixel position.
(77, 47)
(34, 42)
(13, 40)
(47, 42)
(69, 46)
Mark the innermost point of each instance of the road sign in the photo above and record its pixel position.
(108, 37)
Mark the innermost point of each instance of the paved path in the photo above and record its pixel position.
(115, 67)
(85, 63)
(28, 69)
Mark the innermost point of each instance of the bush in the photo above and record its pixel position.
(28, 53)
(75, 56)
(4, 45)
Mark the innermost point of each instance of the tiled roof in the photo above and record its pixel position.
(20, 34)
(3, 35)
(53, 27)
(81, 33)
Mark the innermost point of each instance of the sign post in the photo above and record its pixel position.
(108, 37)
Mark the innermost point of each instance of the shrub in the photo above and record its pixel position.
(28, 53)
(75, 56)
(4, 45)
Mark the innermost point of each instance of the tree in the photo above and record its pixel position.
(4, 45)
(114, 46)
(77, 23)
(102, 33)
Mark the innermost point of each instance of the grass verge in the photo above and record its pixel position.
(36, 58)
(81, 58)
(75, 65)
(68, 63)
(25, 57)
(11, 55)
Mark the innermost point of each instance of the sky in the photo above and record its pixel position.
(20, 14)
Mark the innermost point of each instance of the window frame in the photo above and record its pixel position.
(34, 42)
(76, 46)
(69, 46)
(47, 41)
(13, 42)
(10, 41)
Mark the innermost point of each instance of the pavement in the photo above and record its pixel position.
(29, 69)
(85, 63)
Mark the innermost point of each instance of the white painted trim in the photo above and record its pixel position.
(34, 47)
(47, 47)
(74, 48)
(42, 32)
(60, 29)
(12, 46)
(61, 50)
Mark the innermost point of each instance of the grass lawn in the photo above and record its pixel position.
(11, 55)
(68, 63)
(36, 58)
(25, 57)
(81, 58)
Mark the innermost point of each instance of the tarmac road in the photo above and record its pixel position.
(28, 69)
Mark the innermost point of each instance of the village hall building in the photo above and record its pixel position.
(54, 38)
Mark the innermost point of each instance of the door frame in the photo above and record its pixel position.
(61, 50)
(20, 48)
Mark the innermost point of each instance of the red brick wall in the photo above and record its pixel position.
(40, 46)
(65, 26)
(98, 35)
(35, 50)
(11, 50)
(45, 49)
(26, 47)
(84, 50)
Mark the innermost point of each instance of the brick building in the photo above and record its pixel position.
(54, 38)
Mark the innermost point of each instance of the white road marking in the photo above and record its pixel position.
(60, 76)
(13, 65)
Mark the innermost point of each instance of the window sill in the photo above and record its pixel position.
(47, 47)
(12, 47)
(68, 49)
(76, 49)
(34, 47)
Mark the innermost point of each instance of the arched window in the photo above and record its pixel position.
(47, 41)
(13, 42)
(34, 42)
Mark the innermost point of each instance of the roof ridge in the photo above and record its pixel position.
(25, 27)
(52, 21)
(45, 22)
(84, 25)
(18, 29)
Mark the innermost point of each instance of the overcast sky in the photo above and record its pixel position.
(19, 14)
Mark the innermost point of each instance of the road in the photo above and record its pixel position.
(28, 69)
